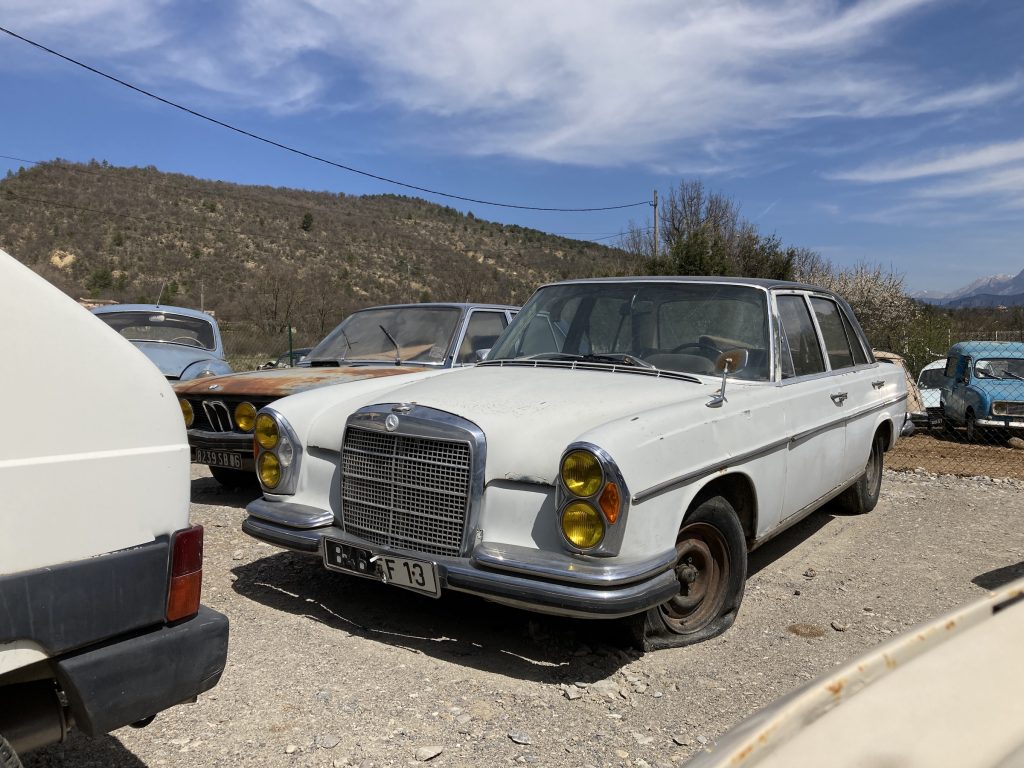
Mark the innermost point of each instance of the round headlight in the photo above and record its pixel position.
(267, 433)
(581, 473)
(186, 412)
(245, 416)
(582, 525)
(269, 470)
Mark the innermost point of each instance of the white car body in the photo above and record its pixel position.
(929, 384)
(775, 449)
(89, 519)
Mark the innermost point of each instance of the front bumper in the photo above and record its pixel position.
(228, 442)
(127, 680)
(546, 582)
(1002, 422)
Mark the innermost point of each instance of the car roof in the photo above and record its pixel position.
(757, 282)
(940, 363)
(186, 311)
(989, 348)
(462, 305)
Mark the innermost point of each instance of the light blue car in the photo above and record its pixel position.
(183, 343)
(983, 387)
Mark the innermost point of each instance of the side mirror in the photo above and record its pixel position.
(731, 361)
(479, 355)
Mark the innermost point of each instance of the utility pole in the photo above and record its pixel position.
(655, 204)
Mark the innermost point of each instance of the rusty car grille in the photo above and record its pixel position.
(218, 416)
(1007, 408)
(406, 492)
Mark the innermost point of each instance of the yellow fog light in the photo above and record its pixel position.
(269, 470)
(582, 525)
(581, 473)
(186, 412)
(245, 416)
(267, 433)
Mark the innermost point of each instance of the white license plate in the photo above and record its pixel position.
(417, 575)
(218, 458)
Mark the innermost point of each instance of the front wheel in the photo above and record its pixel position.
(7, 757)
(974, 432)
(863, 495)
(711, 568)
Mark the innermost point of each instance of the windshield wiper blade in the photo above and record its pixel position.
(398, 358)
(1013, 375)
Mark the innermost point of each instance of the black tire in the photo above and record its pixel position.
(862, 496)
(234, 478)
(712, 571)
(975, 434)
(7, 757)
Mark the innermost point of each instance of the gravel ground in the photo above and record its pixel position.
(325, 670)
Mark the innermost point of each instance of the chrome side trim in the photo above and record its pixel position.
(568, 568)
(757, 453)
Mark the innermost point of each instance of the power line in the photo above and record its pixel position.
(303, 153)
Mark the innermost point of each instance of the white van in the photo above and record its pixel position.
(101, 624)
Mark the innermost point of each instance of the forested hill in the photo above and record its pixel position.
(268, 255)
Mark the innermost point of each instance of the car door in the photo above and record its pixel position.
(856, 386)
(814, 421)
(954, 403)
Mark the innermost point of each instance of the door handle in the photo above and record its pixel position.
(839, 397)
(878, 384)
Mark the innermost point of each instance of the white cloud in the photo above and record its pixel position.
(597, 82)
(939, 163)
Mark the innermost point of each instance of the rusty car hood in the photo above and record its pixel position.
(287, 381)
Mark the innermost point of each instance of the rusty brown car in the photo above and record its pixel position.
(395, 340)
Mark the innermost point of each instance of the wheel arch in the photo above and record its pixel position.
(738, 489)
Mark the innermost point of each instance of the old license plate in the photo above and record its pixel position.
(417, 575)
(218, 458)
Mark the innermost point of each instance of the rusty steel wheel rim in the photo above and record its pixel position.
(702, 570)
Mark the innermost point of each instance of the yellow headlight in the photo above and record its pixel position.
(269, 470)
(581, 473)
(582, 525)
(267, 434)
(186, 412)
(245, 416)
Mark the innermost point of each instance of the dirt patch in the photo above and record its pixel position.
(948, 454)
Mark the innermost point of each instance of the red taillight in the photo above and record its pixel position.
(186, 573)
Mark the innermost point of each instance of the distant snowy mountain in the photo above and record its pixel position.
(984, 292)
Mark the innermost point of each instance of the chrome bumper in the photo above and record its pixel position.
(546, 582)
(1005, 422)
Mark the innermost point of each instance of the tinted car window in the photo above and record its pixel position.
(836, 344)
(801, 354)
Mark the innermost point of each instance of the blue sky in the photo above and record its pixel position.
(879, 131)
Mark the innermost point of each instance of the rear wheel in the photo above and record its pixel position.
(711, 568)
(7, 757)
(234, 478)
(863, 495)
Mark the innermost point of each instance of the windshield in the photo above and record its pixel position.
(163, 327)
(675, 326)
(932, 379)
(423, 336)
(1000, 368)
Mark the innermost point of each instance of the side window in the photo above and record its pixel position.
(966, 377)
(482, 331)
(950, 371)
(801, 354)
(860, 357)
(836, 344)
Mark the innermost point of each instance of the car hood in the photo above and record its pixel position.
(173, 359)
(530, 415)
(1005, 389)
(287, 381)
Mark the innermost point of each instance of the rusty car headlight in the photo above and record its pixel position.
(186, 412)
(245, 416)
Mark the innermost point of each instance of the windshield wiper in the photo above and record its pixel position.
(398, 358)
(615, 358)
(1013, 375)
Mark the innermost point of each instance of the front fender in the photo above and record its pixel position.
(205, 368)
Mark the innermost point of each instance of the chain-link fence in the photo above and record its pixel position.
(248, 348)
(969, 410)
